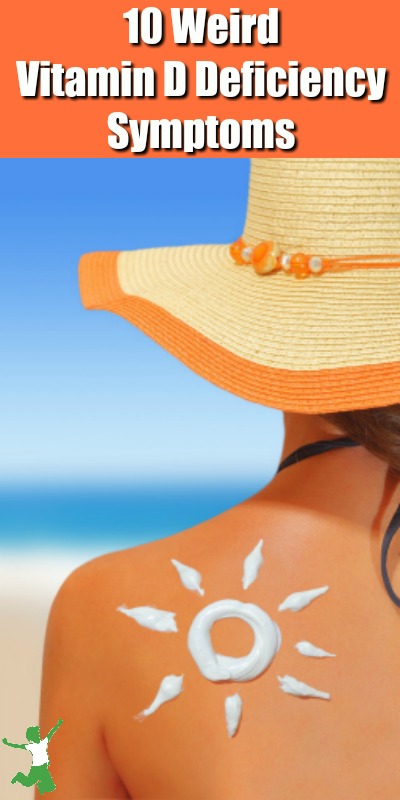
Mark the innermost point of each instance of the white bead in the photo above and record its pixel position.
(285, 261)
(246, 254)
(315, 264)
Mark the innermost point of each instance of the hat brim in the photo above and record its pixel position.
(324, 344)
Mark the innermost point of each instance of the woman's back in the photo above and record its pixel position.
(322, 522)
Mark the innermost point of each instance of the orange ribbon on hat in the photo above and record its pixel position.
(267, 256)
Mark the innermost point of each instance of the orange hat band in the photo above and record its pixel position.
(267, 257)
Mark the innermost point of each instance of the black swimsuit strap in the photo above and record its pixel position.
(314, 449)
(392, 529)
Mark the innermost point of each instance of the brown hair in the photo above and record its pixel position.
(377, 429)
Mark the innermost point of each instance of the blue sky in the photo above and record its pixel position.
(85, 396)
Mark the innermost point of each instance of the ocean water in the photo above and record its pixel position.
(100, 519)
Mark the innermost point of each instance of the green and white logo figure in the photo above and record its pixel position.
(39, 772)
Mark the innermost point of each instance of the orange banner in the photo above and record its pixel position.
(326, 84)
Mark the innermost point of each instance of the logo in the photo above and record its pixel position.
(39, 773)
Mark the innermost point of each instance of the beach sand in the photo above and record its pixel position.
(28, 586)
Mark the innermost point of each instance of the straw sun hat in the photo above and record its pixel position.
(302, 313)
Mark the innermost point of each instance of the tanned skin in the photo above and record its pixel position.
(322, 522)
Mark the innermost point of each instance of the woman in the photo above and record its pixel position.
(301, 314)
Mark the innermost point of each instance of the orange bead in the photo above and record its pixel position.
(235, 251)
(260, 251)
(265, 257)
(299, 265)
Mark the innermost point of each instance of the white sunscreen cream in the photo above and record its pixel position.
(233, 713)
(299, 689)
(153, 618)
(308, 649)
(252, 565)
(190, 578)
(215, 667)
(299, 600)
(170, 687)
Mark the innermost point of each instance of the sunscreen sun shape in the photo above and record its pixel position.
(153, 618)
(170, 687)
(252, 565)
(190, 578)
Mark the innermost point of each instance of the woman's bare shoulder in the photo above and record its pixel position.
(99, 660)
(136, 574)
(144, 572)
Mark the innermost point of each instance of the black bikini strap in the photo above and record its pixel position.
(393, 528)
(314, 449)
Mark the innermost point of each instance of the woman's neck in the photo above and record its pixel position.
(363, 482)
(301, 429)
